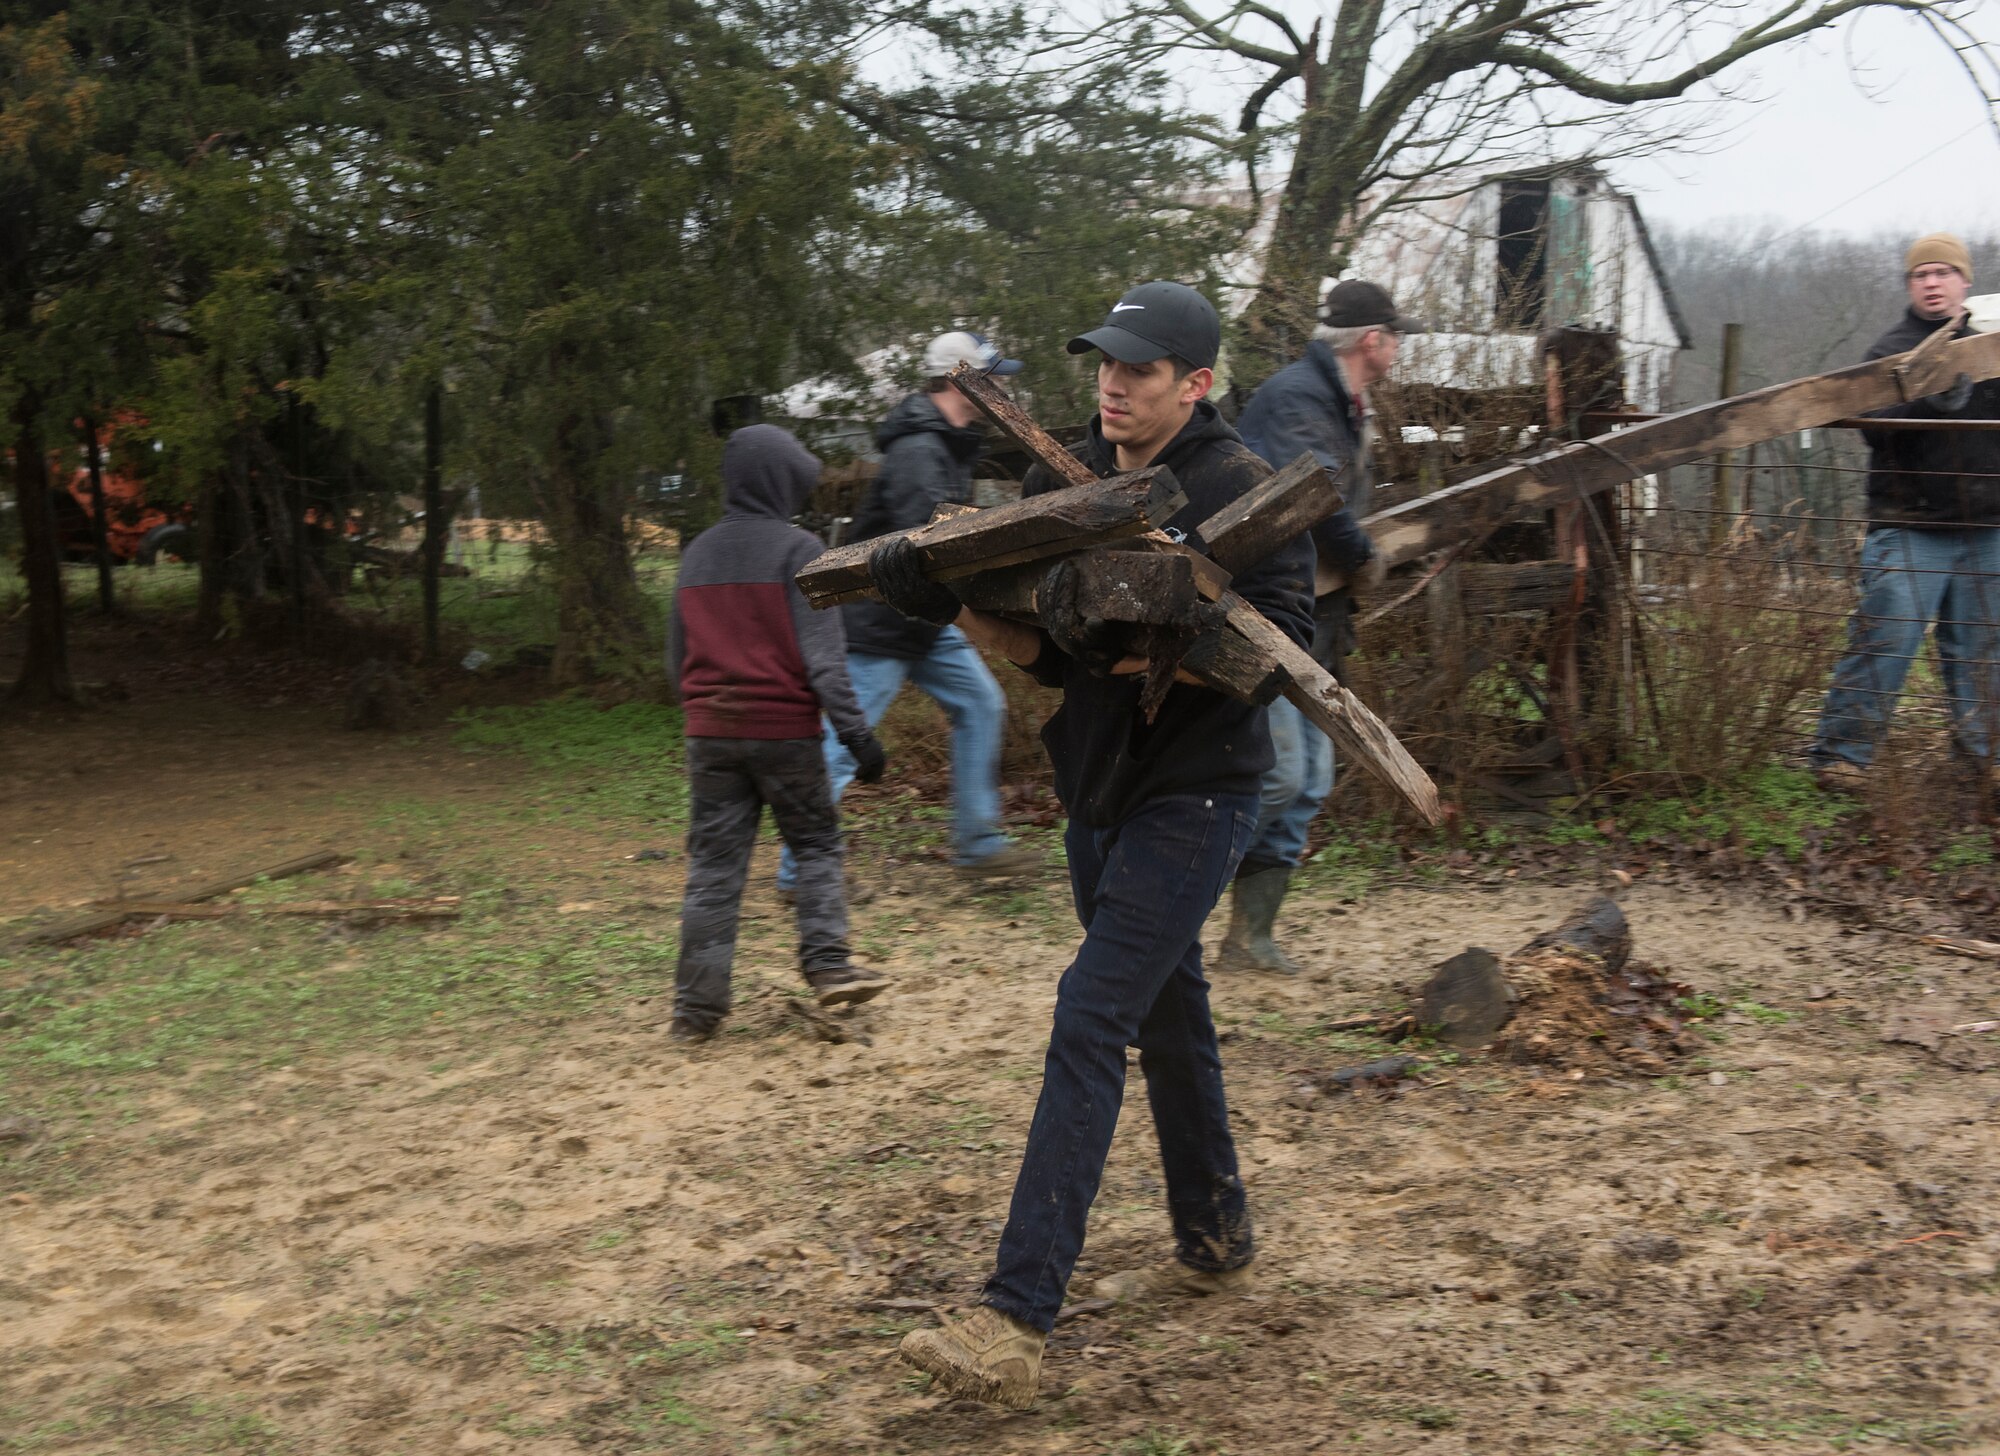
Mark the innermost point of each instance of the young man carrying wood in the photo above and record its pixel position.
(1933, 549)
(1316, 405)
(1160, 812)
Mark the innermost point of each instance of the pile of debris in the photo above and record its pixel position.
(1572, 999)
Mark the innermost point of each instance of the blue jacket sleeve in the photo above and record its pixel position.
(1342, 544)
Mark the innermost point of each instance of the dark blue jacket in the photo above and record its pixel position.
(926, 461)
(1305, 409)
(1108, 759)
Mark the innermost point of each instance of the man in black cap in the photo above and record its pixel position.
(1319, 406)
(1159, 813)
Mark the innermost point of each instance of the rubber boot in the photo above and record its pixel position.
(1253, 906)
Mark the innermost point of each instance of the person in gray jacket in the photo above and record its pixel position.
(1318, 406)
(929, 443)
(755, 667)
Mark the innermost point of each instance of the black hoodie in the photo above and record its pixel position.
(1108, 760)
(746, 654)
(926, 461)
(1933, 477)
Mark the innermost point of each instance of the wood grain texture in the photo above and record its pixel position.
(1011, 420)
(1431, 522)
(1344, 718)
(117, 914)
(1259, 521)
(1035, 527)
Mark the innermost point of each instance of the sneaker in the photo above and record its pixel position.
(683, 1030)
(986, 1356)
(846, 985)
(1839, 776)
(1015, 859)
(859, 892)
(1173, 1280)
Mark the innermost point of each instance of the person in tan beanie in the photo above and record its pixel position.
(1942, 249)
(1931, 559)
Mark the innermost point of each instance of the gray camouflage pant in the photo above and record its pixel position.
(730, 781)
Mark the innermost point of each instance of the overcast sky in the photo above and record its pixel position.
(1819, 148)
(1814, 143)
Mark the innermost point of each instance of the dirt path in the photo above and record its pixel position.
(577, 1239)
(551, 1233)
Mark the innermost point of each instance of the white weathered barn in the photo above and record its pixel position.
(1505, 259)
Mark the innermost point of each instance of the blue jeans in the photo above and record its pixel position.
(1142, 890)
(958, 682)
(1291, 792)
(1909, 580)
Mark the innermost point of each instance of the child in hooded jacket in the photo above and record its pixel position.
(755, 667)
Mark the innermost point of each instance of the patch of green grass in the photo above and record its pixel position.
(1353, 863)
(1968, 851)
(1671, 1420)
(199, 1426)
(1771, 809)
(625, 758)
(1761, 1014)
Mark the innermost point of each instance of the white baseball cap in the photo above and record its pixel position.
(947, 351)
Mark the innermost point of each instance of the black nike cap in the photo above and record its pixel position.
(1153, 321)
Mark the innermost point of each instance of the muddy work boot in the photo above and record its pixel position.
(1839, 776)
(1173, 1280)
(846, 985)
(1253, 906)
(687, 1032)
(986, 1356)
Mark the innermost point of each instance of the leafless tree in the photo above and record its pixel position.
(1388, 102)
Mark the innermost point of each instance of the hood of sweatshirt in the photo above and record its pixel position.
(914, 414)
(1205, 424)
(766, 472)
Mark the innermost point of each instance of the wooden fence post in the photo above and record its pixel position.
(1722, 497)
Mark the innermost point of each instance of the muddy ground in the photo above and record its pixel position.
(551, 1232)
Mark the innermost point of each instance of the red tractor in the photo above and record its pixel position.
(134, 529)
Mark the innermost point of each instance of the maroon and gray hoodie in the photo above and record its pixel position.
(746, 654)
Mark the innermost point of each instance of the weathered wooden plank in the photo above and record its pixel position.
(993, 402)
(1259, 521)
(116, 914)
(1115, 585)
(959, 545)
(1431, 522)
(1226, 661)
(1492, 588)
(1338, 713)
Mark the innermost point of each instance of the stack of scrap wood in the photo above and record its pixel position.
(1171, 593)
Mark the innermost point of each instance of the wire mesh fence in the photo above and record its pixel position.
(1725, 620)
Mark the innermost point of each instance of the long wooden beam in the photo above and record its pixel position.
(1445, 517)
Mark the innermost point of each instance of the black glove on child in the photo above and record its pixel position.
(1097, 644)
(899, 577)
(869, 759)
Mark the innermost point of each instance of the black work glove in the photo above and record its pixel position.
(869, 759)
(1097, 644)
(1951, 401)
(899, 577)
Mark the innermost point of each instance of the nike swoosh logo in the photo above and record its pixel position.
(1122, 307)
